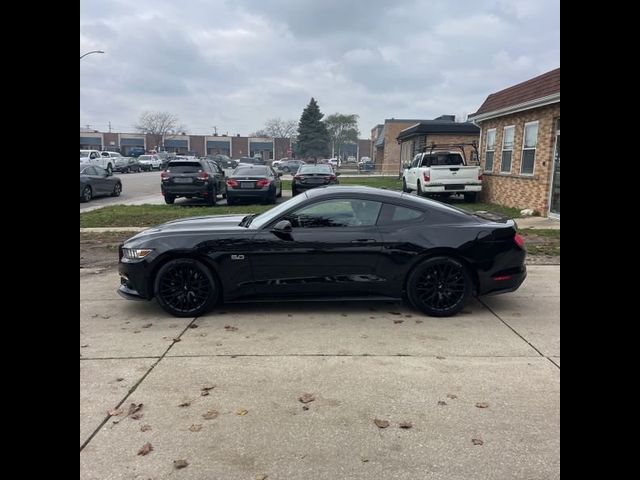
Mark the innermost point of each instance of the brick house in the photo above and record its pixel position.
(384, 145)
(416, 138)
(520, 145)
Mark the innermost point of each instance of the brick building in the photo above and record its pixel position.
(384, 145)
(520, 145)
(418, 137)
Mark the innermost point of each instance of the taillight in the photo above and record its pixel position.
(519, 240)
(426, 177)
(480, 176)
(164, 176)
(203, 176)
(263, 182)
(232, 183)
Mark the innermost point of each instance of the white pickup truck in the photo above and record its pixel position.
(442, 172)
(94, 157)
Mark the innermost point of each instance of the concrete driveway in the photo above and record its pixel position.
(360, 361)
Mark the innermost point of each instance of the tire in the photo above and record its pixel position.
(87, 194)
(109, 168)
(419, 191)
(117, 190)
(404, 185)
(185, 287)
(293, 192)
(211, 200)
(439, 286)
(274, 198)
(279, 195)
(470, 197)
(230, 201)
(169, 199)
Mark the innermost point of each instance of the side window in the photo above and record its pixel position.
(93, 155)
(100, 171)
(105, 154)
(336, 213)
(392, 214)
(416, 160)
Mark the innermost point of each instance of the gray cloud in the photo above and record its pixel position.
(234, 64)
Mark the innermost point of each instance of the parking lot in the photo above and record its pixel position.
(222, 392)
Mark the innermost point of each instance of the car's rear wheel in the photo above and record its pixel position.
(110, 168)
(211, 201)
(185, 287)
(273, 198)
(117, 190)
(87, 194)
(169, 199)
(419, 190)
(439, 286)
(230, 201)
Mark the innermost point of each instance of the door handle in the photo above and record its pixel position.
(363, 240)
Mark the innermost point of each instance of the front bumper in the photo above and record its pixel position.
(134, 283)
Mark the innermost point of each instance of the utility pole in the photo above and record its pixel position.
(215, 131)
(109, 126)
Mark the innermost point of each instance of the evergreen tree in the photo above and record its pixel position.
(313, 138)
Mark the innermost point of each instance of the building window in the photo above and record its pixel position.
(529, 148)
(490, 150)
(507, 149)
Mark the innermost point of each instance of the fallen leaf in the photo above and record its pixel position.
(306, 398)
(305, 407)
(439, 357)
(210, 415)
(405, 425)
(261, 476)
(289, 315)
(196, 427)
(242, 412)
(381, 423)
(230, 328)
(477, 441)
(372, 318)
(441, 402)
(418, 321)
(451, 395)
(146, 448)
(203, 334)
(185, 403)
(147, 325)
(365, 460)
(177, 339)
(136, 331)
(482, 405)
(106, 316)
(398, 321)
(193, 325)
(180, 463)
(119, 379)
(115, 411)
(137, 416)
(95, 315)
(84, 346)
(173, 325)
(145, 427)
(115, 422)
(343, 314)
(204, 393)
(218, 344)
(133, 408)
(408, 315)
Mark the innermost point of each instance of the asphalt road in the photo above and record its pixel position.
(137, 188)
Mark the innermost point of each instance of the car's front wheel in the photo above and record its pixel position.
(86, 194)
(439, 286)
(169, 199)
(185, 287)
(404, 186)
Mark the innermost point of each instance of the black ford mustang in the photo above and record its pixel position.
(334, 242)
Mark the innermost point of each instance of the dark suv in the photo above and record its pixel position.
(193, 178)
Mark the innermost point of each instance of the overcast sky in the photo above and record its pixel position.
(234, 64)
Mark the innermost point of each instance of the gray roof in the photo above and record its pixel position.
(437, 126)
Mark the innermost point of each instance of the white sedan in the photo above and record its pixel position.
(149, 162)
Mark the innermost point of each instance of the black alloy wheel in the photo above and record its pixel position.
(185, 287)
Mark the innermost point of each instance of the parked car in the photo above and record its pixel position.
(366, 164)
(442, 173)
(136, 151)
(223, 160)
(94, 157)
(351, 159)
(149, 162)
(127, 164)
(193, 178)
(346, 243)
(96, 181)
(335, 162)
(290, 166)
(312, 176)
(275, 163)
(254, 182)
(165, 158)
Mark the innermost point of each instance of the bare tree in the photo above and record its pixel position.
(277, 128)
(159, 124)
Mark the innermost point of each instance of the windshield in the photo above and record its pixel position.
(250, 171)
(263, 219)
(310, 169)
(184, 167)
(442, 159)
(84, 154)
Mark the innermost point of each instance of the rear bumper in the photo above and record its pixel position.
(470, 187)
(498, 283)
(186, 190)
(248, 192)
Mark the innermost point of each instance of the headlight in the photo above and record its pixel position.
(135, 253)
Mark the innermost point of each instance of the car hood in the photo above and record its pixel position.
(209, 223)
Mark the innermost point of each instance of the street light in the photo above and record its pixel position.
(89, 53)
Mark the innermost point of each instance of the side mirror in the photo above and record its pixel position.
(282, 227)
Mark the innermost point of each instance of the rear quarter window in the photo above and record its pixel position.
(395, 214)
